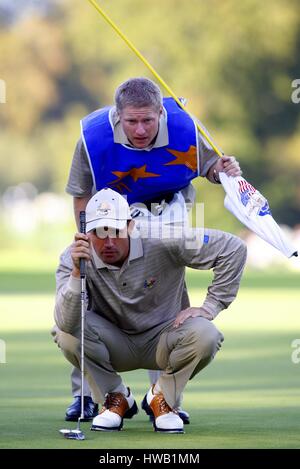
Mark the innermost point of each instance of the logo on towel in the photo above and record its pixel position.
(253, 200)
(149, 282)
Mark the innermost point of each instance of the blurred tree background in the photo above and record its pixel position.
(233, 61)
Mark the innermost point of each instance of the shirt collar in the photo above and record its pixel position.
(135, 251)
(161, 140)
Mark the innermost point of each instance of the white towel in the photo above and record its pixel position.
(252, 209)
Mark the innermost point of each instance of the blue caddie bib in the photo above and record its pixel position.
(138, 174)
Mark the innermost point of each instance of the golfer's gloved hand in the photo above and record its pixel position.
(80, 249)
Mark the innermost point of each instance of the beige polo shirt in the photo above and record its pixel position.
(149, 289)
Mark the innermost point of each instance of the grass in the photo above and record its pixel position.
(247, 398)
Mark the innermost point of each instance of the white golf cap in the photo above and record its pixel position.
(107, 208)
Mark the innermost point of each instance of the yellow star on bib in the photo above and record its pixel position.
(135, 173)
(187, 158)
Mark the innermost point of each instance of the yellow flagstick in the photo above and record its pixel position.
(157, 76)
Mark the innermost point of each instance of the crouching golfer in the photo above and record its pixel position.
(138, 311)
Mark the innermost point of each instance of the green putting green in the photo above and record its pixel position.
(249, 397)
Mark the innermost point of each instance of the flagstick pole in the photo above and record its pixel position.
(157, 76)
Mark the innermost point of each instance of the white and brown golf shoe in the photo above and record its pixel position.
(166, 420)
(116, 407)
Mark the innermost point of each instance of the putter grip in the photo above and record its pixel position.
(82, 230)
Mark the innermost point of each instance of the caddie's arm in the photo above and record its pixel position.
(210, 164)
(79, 204)
(80, 182)
(226, 164)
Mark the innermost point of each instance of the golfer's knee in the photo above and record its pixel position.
(204, 338)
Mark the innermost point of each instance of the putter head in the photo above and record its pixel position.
(72, 434)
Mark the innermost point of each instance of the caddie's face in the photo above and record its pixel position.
(140, 124)
(112, 246)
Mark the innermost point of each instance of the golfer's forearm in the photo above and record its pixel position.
(228, 270)
(67, 306)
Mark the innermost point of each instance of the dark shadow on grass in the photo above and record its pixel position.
(27, 282)
(44, 282)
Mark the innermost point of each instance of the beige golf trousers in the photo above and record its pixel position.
(180, 353)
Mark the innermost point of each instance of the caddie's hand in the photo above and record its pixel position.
(229, 165)
(80, 249)
(191, 313)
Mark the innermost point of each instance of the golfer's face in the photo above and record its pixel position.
(140, 125)
(112, 246)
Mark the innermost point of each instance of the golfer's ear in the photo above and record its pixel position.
(130, 226)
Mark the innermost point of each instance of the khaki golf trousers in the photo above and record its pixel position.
(180, 353)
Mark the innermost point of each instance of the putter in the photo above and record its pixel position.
(78, 434)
